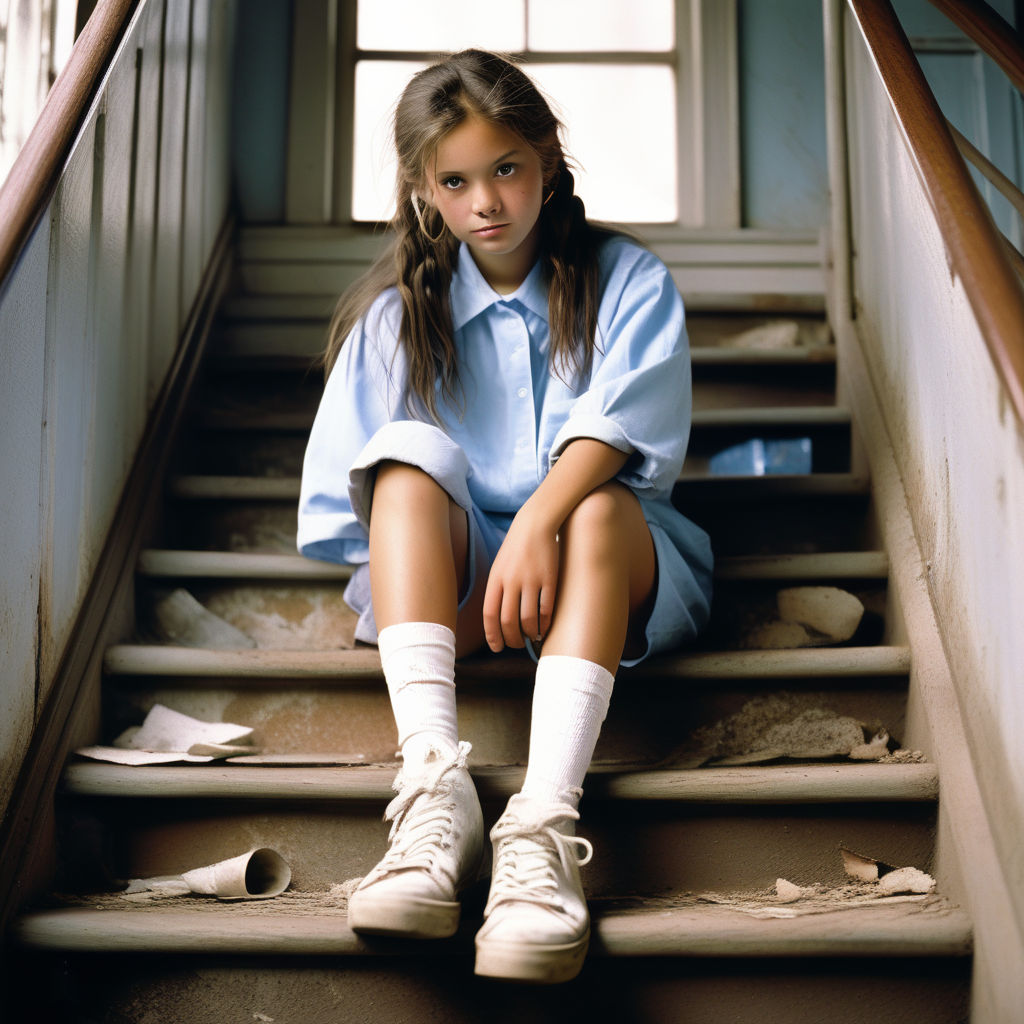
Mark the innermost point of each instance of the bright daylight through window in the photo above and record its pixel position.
(606, 66)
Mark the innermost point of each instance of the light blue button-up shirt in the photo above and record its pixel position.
(517, 413)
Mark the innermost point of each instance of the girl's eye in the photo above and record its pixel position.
(505, 170)
(452, 183)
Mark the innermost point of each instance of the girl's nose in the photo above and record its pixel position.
(486, 202)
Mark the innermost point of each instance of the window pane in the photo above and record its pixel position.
(601, 25)
(378, 86)
(440, 25)
(621, 132)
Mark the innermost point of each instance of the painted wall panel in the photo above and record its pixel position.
(166, 309)
(141, 260)
(195, 157)
(960, 451)
(260, 110)
(217, 140)
(784, 169)
(118, 363)
(66, 556)
(22, 334)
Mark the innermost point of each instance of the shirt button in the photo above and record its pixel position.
(521, 392)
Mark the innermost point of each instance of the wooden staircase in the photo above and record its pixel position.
(687, 925)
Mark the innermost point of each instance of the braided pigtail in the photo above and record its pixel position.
(568, 245)
(424, 258)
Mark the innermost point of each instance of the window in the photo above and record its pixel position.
(607, 67)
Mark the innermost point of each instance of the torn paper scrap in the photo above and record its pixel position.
(259, 874)
(182, 620)
(168, 736)
(165, 729)
(117, 755)
(891, 881)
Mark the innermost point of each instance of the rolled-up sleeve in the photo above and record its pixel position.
(639, 395)
(365, 391)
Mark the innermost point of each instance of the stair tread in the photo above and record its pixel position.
(302, 924)
(364, 663)
(803, 783)
(286, 488)
(170, 563)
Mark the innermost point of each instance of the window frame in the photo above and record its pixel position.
(704, 60)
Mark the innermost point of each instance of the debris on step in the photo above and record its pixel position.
(890, 880)
(168, 736)
(787, 892)
(781, 334)
(874, 750)
(906, 880)
(179, 619)
(286, 618)
(259, 874)
(802, 617)
(779, 726)
(902, 756)
(830, 611)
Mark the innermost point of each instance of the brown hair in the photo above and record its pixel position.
(422, 256)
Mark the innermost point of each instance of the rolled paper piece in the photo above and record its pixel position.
(256, 875)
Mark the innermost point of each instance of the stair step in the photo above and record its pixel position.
(928, 927)
(799, 784)
(721, 488)
(364, 663)
(178, 564)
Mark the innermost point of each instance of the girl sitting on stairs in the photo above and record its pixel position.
(506, 415)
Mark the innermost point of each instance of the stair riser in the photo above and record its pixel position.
(257, 452)
(764, 526)
(442, 988)
(671, 848)
(285, 616)
(646, 723)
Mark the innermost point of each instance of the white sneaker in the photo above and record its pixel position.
(536, 924)
(437, 845)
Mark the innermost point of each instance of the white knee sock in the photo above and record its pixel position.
(419, 666)
(570, 701)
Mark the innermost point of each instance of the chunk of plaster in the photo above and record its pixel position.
(829, 610)
(905, 880)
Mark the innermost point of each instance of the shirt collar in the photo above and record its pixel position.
(471, 294)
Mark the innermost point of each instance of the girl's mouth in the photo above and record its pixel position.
(490, 229)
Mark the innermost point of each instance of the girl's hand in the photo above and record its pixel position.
(520, 596)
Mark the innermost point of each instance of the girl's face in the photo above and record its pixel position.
(487, 184)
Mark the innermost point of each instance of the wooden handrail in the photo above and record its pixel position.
(998, 38)
(36, 171)
(972, 240)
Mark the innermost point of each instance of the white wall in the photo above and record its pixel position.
(89, 321)
(959, 448)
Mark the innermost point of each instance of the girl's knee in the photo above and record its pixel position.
(608, 510)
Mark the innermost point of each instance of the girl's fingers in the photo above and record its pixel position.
(529, 614)
(510, 608)
(545, 610)
(492, 613)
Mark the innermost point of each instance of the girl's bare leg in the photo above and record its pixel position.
(606, 578)
(418, 556)
(536, 922)
(419, 544)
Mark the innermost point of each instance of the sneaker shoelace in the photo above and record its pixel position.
(528, 857)
(421, 817)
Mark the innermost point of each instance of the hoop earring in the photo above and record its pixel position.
(415, 200)
(550, 196)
